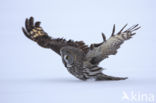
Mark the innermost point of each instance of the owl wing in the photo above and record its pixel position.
(98, 52)
(35, 32)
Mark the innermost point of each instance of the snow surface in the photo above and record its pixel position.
(31, 74)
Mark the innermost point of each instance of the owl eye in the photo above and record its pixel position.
(66, 57)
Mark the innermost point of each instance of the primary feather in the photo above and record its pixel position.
(34, 32)
(110, 46)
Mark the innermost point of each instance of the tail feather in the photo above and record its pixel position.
(102, 76)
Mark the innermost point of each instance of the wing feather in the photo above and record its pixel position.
(110, 46)
(34, 32)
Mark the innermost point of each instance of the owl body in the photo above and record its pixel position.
(72, 59)
(77, 64)
(84, 73)
(79, 59)
(76, 71)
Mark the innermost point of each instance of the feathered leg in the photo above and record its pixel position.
(102, 76)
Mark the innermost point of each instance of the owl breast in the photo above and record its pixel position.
(77, 71)
(84, 73)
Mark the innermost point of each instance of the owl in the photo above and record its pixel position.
(80, 59)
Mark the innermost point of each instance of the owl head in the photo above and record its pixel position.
(71, 56)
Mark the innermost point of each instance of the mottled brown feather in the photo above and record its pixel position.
(34, 32)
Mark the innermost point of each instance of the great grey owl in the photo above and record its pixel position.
(79, 59)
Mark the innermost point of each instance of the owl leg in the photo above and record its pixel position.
(102, 76)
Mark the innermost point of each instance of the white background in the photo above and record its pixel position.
(31, 74)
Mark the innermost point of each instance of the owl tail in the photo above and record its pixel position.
(102, 76)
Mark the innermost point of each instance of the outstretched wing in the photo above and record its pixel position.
(98, 52)
(34, 32)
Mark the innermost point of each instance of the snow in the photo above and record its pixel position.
(31, 74)
(58, 90)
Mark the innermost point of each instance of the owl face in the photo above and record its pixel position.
(68, 59)
(70, 56)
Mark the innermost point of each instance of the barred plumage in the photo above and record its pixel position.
(79, 59)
